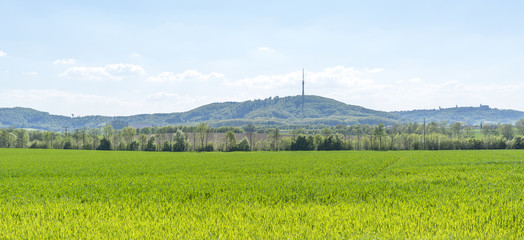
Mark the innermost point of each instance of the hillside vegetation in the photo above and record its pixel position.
(269, 112)
(273, 112)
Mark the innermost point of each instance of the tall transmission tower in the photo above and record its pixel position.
(303, 101)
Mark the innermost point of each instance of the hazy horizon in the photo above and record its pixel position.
(123, 58)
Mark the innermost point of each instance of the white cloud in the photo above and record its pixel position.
(30, 74)
(188, 75)
(373, 88)
(343, 76)
(172, 102)
(410, 81)
(166, 102)
(135, 55)
(338, 76)
(408, 94)
(162, 96)
(68, 102)
(414, 80)
(112, 72)
(65, 61)
(269, 81)
(266, 49)
(43, 94)
(2, 53)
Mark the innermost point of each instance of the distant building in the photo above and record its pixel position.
(484, 106)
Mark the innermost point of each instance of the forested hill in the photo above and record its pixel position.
(29, 118)
(285, 110)
(468, 115)
(270, 112)
(267, 112)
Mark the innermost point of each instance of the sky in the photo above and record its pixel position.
(119, 58)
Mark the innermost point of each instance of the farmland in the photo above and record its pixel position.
(261, 195)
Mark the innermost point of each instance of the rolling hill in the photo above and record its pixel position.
(276, 111)
(469, 115)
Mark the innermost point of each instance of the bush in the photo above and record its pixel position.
(242, 145)
(518, 143)
(133, 146)
(474, 144)
(330, 144)
(68, 145)
(34, 144)
(179, 146)
(121, 147)
(501, 143)
(166, 147)
(105, 144)
(302, 143)
(150, 144)
(208, 148)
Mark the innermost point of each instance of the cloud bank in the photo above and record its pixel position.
(372, 88)
(334, 76)
(266, 49)
(65, 61)
(112, 72)
(188, 75)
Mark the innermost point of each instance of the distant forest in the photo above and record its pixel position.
(410, 136)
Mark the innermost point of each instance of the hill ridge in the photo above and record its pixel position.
(275, 111)
(272, 111)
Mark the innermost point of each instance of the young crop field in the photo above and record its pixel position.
(261, 195)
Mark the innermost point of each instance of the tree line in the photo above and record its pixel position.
(411, 136)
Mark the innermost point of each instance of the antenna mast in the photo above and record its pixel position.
(303, 92)
(302, 83)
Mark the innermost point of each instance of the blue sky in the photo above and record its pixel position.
(132, 57)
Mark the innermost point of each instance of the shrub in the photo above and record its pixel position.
(68, 145)
(302, 143)
(105, 144)
(166, 147)
(133, 146)
(208, 148)
(150, 144)
(518, 143)
(242, 145)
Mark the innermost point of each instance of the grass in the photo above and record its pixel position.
(261, 195)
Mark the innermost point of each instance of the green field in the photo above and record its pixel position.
(261, 195)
